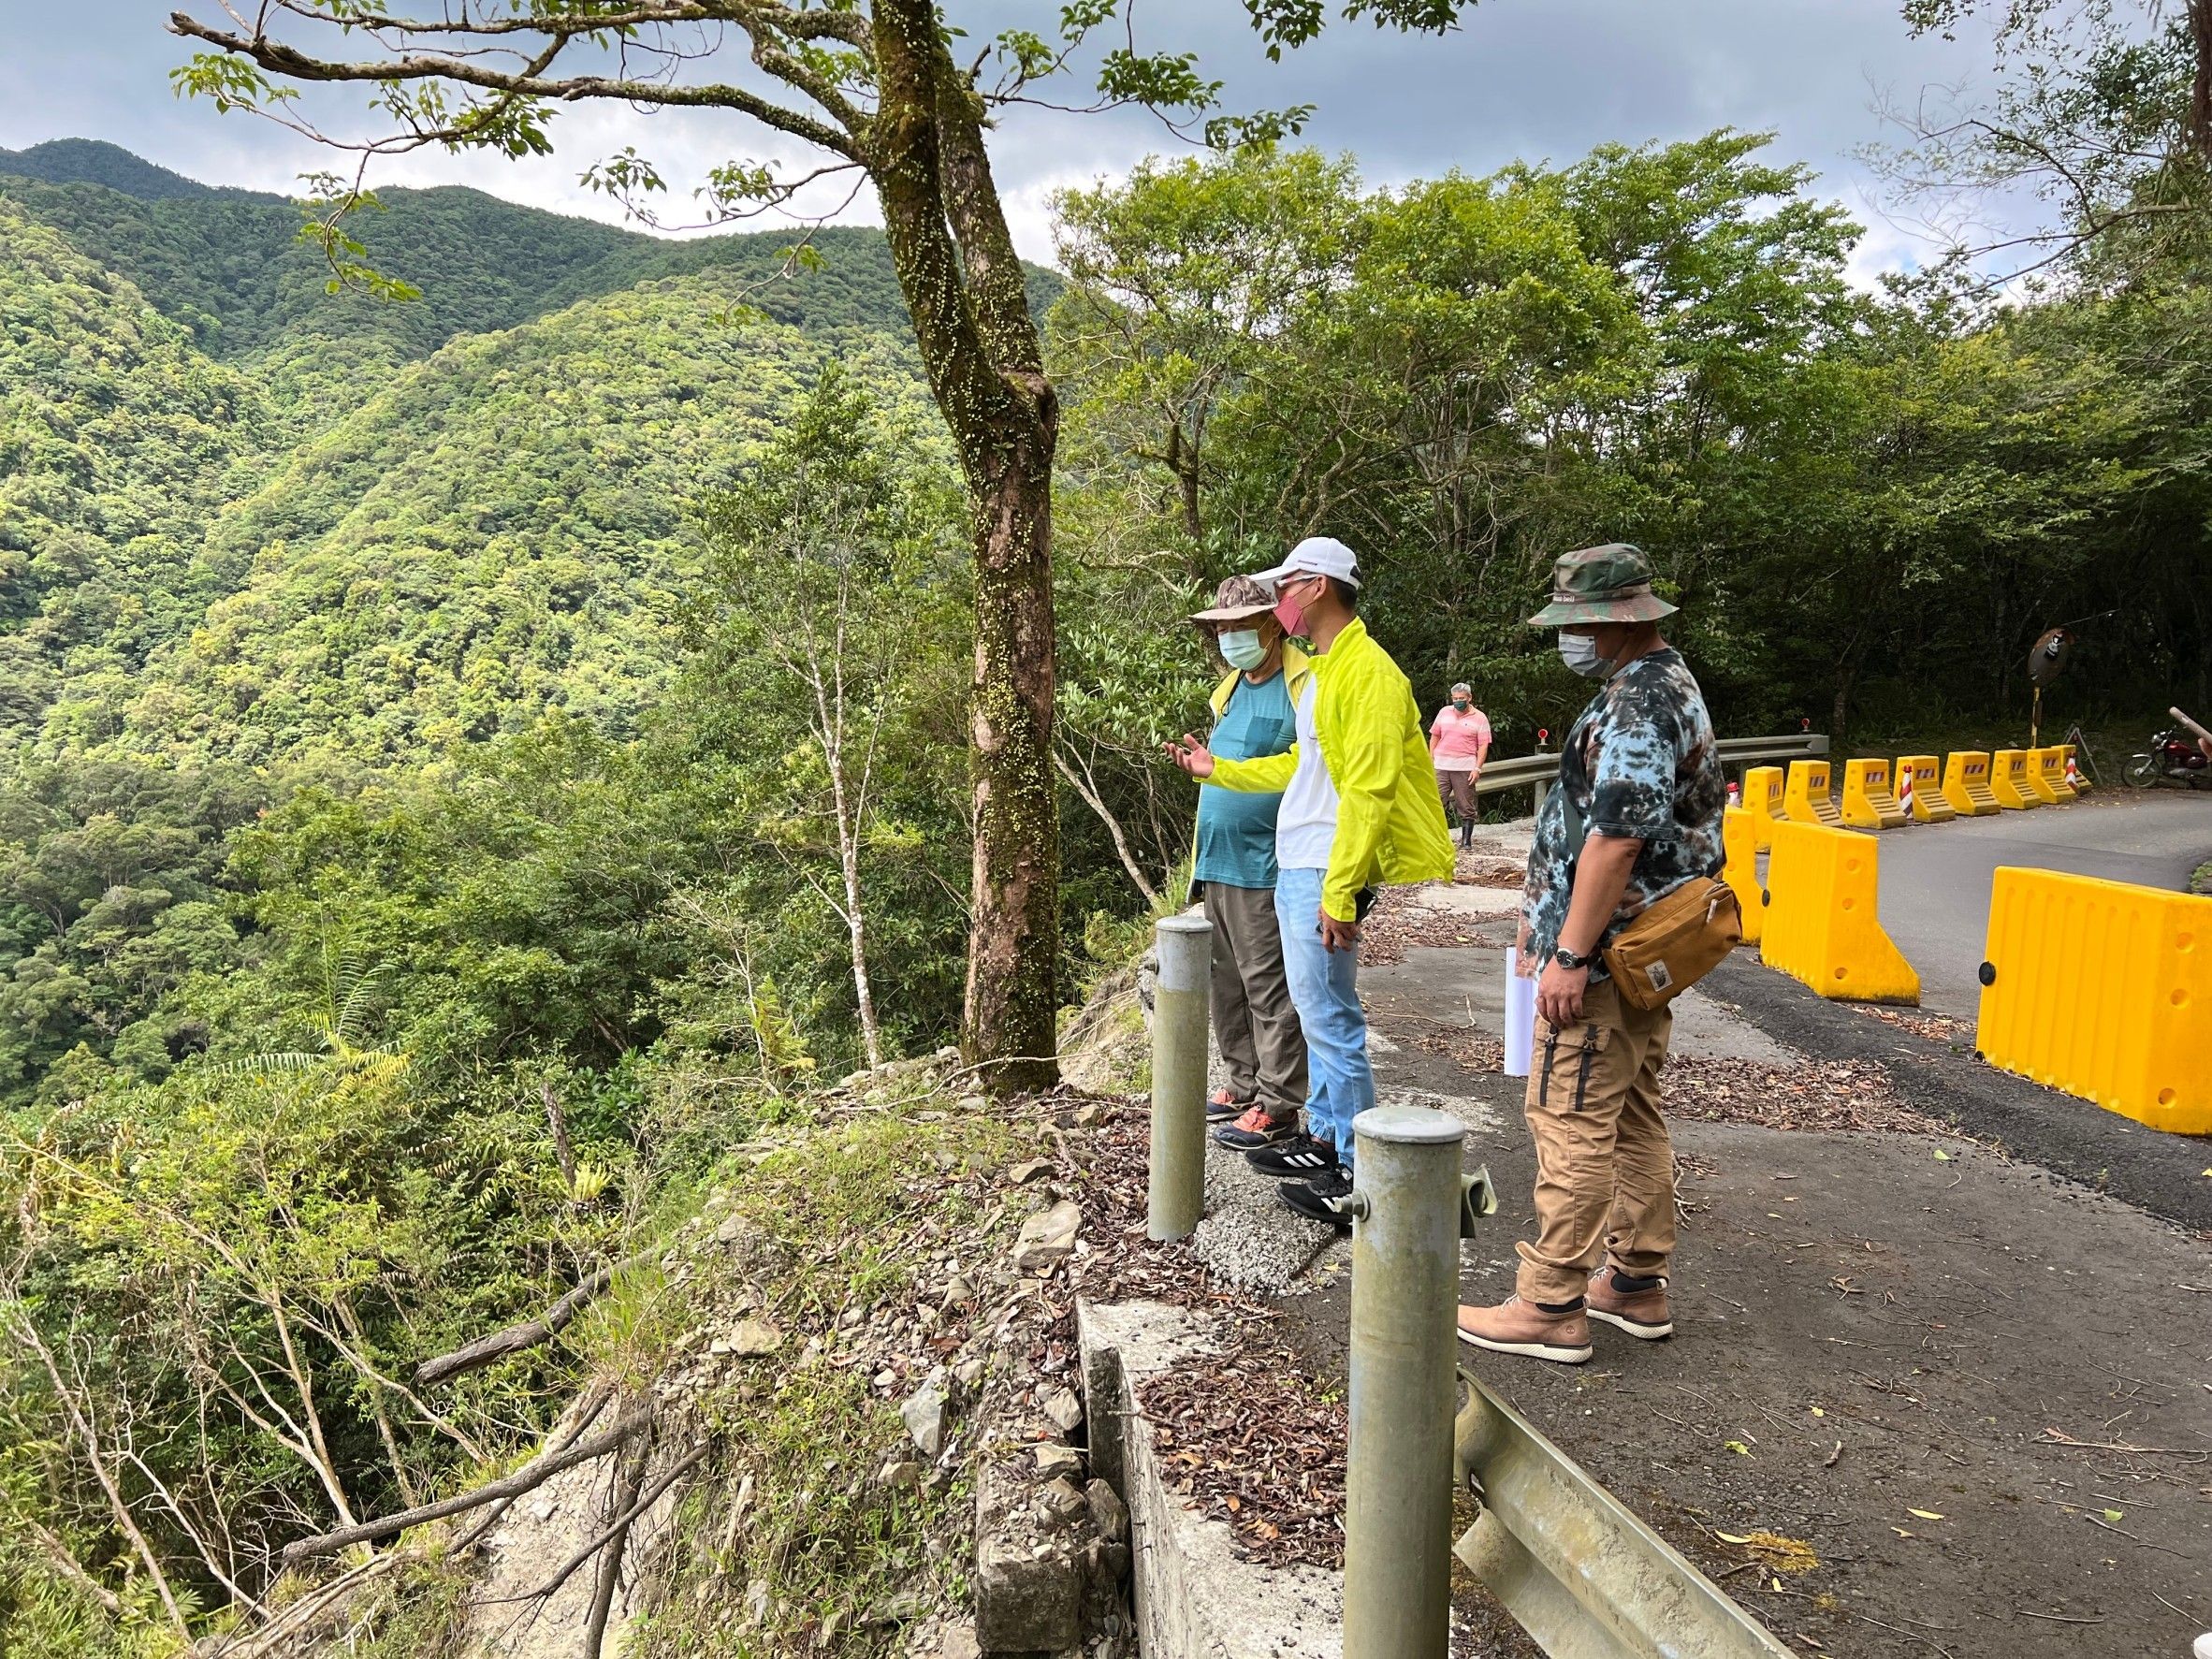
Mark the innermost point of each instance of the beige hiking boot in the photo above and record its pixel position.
(1517, 1326)
(1642, 1313)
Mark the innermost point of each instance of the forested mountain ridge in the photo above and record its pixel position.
(118, 440)
(560, 396)
(95, 161)
(503, 532)
(230, 263)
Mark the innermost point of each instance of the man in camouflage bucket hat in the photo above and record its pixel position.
(1637, 813)
(1608, 584)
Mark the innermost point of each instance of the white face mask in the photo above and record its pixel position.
(1240, 647)
(1578, 652)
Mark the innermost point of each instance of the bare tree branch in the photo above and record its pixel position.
(527, 1478)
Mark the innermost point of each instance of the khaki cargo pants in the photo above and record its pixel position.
(1605, 1168)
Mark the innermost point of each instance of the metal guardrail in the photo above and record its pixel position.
(1582, 1574)
(1542, 769)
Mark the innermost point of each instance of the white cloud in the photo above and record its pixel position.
(1533, 79)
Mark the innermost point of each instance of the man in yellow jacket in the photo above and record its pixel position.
(1360, 809)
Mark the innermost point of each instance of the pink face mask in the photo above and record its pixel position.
(1291, 615)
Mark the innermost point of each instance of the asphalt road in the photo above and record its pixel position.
(1935, 877)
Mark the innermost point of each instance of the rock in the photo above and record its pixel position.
(733, 1226)
(1036, 1169)
(1062, 1409)
(1025, 1603)
(924, 1415)
(1110, 1516)
(751, 1337)
(958, 1290)
(973, 1103)
(1063, 1502)
(947, 1056)
(899, 1475)
(1055, 1461)
(1088, 1116)
(1047, 1237)
(959, 1643)
(969, 1372)
(945, 1162)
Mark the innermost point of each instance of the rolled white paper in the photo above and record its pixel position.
(1521, 1017)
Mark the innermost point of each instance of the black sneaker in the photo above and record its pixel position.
(1325, 1198)
(1253, 1130)
(1221, 1106)
(1301, 1158)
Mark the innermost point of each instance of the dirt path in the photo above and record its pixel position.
(1869, 1324)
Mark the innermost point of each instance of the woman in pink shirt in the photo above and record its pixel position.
(1458, 738)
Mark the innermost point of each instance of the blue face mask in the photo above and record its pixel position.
(1578, 652)
(1240, 647)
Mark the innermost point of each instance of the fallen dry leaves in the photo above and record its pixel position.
(1243, 1441)
(1852, 1094)
(1934, 1026)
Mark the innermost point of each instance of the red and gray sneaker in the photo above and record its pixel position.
(1301, 1158)
(1221, 1106)
(1255, 1129)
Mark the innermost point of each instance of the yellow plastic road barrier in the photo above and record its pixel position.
(1762, 804)
(1928, 805)
(2047, 771)
(2104, 990)
(1966, 785)
(1739, 836)
(1867, 803)
(1824, 925)
(1805, 798)
(2008, 779)
(2074, 780)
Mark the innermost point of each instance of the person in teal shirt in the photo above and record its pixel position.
(1234, 868)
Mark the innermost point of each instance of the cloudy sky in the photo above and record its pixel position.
(1520, 79)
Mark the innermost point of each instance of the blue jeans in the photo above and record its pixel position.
(1340, 1084)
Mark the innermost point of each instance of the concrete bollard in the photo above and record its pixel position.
(1177, 1192)
(1405, 1273)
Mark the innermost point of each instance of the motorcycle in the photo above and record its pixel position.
(2174, 758)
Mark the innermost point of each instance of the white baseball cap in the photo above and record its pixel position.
(1317, 556)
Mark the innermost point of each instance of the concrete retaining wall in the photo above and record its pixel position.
(1193, 1596)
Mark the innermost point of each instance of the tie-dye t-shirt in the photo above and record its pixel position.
(1640, 761)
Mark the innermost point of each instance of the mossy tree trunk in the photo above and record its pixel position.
(963, 283)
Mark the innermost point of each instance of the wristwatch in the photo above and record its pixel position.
(1567, 958)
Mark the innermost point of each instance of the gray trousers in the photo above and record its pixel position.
(1253, 1021)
